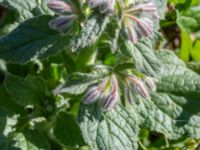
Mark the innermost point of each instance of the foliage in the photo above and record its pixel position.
(99, 75)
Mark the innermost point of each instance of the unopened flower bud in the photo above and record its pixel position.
(112, 98)
(150, 82)
(140, 86)
(145, 26)
(60, 7)
(92, 95)
(109, 7)
(128, 94)
(142, 15)
(148, 7)
(132, 35)
(62, 23)
(96, 3)
(106, 6)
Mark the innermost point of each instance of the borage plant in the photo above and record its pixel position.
(96, 60)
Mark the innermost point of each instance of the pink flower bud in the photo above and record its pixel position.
(132, 34)
(112, 98)
(96, 3)
(148, 7)
(150, 82)
(106, 6)
(109, 7)
(62, 23)
(140, 87)
(60, 7)
(92, 95)
(128, 94)
(145, 26)
(142, 15)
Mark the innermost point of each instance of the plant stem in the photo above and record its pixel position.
(86, 57)
(141, 145)
(167, 142)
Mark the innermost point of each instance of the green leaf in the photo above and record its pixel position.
(195, 51)
(90, 32)
(27, 140)
(195, 66)
(31, 40)
(161, 5)
(116, 129)
(8, 103)
(143, 57)
(186, 46)
(7, 122)
(186, 23)
(67, 130)
(28, 91)
(173, 110)
(25, 9)
(7, 21)
(3, 67)
(78, 82)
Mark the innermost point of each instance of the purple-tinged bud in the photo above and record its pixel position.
(145, 26)
(92, 95)
(60, 7)
(112, 98)
(62, 23)
(150, 82)
(139, 85)
(96, 3)
(142, 15)
(109, 7)
(141, 8)
(128, 94)
(148, 7)
(132, 34)
(106, 6)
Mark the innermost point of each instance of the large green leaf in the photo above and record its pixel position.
(31, 40)
(173, 110)
(114, 130)
(27, 9)
(8, 103)
(143, 57)
(90, 32)
(67, 130)
(24, 9)
(28, 91)
(29, 140)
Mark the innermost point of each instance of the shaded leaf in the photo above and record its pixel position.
(33, 39)
(25, 9)
(28, 91)
(67, 130)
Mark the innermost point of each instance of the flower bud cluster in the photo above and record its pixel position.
(139, 17)
(106, 93)
(139, 87)
(106, 6)
(67, 14)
